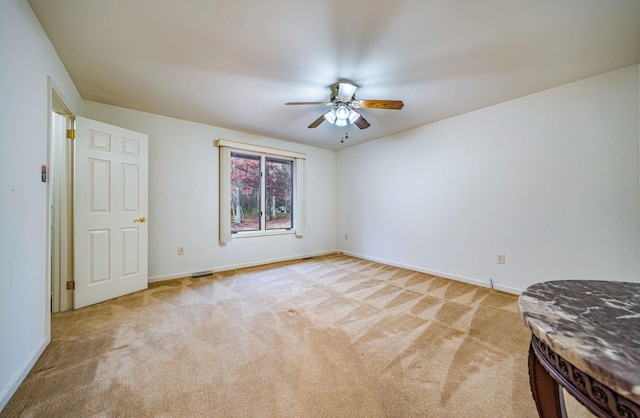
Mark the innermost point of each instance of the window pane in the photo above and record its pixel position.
(279, 193)
(245, 192)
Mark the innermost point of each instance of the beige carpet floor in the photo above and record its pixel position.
(332, 336)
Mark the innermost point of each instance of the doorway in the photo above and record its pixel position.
(61, 157)
(100, 177)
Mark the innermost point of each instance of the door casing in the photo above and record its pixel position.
(59, 206)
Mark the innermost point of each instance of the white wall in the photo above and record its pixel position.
(551, 180)
(26, 59)
(183, 196)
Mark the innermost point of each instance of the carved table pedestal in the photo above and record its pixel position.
(585, 338)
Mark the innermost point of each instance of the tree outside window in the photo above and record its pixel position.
(261, 193)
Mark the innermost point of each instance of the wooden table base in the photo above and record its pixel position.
(548, 372)
(545, 390)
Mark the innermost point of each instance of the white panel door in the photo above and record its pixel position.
(110, 209)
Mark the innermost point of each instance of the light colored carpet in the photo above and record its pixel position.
(332, 336)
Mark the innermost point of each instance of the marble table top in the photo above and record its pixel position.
(593, 324)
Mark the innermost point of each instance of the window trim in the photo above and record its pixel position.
(225, 148)
(241, 146)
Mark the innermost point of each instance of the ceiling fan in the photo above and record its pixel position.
(343, 104)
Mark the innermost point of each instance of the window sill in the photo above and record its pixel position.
(248, 234)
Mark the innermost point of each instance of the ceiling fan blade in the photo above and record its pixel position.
(362, 123)
(309, 103)
(379, 104)
(346, 92)
(317, 122)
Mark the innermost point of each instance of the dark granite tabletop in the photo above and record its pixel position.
(593, 324)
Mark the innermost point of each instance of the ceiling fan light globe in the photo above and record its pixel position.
(330, 116)
(342, 113)
(341, 122)
(353, 116)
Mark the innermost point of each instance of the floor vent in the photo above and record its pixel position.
(202, 273)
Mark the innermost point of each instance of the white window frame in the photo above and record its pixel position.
(225, 148)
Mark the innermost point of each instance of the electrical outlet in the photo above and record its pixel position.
(500, 258)
(346, 237)
(180, 250)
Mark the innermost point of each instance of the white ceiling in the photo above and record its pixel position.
(234, 64)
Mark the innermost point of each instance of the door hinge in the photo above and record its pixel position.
(71, 285)
(71, 133)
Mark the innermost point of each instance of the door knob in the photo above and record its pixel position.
(141, 219)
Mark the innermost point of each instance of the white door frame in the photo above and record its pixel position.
(59, 240)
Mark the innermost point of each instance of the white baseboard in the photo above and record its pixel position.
(469, 280)
(238, 266)
(11, 388)
(507, 289)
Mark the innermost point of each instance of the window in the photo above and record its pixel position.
(260, 190)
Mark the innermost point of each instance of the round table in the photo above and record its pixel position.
(585, 338)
